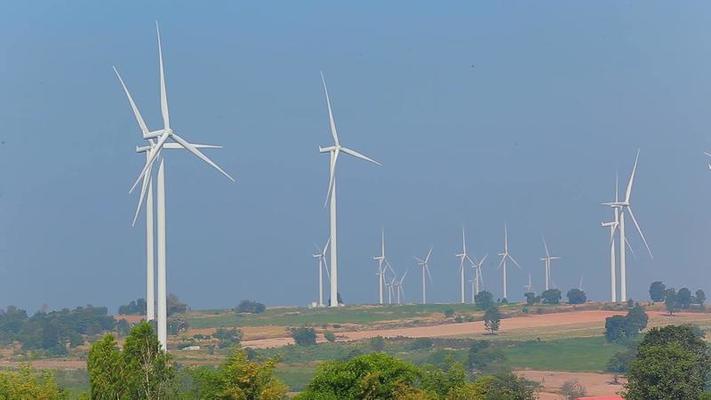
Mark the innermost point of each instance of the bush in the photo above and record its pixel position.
(227, 337)
(329, 336)
(175, 306)
(250, 307)
(551, 296)
(135, 307)
(303, 336)
(572, 390)
(576, 296)
(177, 325)
(25, 383)
(448, 313)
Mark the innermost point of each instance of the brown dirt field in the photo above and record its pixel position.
(595, 384)
(131, 319)
(249, 332)
(49, 363)
(580, 323)
(527, 322)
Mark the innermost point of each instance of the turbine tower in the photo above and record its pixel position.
(547, 263)
(478, 277)
(613, 227)
(321, 256)
(158, 140)
(334, 151)
(425, 264)
(463, 256)
(505, 255)
(529, 287)
(625, 207)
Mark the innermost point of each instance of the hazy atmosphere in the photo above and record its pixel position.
(481, 115)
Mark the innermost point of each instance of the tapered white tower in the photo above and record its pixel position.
(334, 151)
(463, 256)
(547, 264)
(424, 264)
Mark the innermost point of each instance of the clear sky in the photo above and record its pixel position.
(481, 112)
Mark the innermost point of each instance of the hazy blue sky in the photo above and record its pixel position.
(481, 112)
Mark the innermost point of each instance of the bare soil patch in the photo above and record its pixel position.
(595, 384)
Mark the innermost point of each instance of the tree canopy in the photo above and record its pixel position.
(576, 296)
(657, 291)
(551, 296)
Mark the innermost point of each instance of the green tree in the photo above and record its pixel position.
(492, 320)
(572, 389)
(175, 306)
(250, 307)
(484, 300)
(238, 379)
(505, 386)
(671, 302)
(26, 384)
(576, 296)
(551, 296)
(615, 328)
(672, 362)
(700, 297)
(141, 371)
(227, 337)
(657, 291)
(531, 298)
(372, 376)
(303, 336)
(683, 298)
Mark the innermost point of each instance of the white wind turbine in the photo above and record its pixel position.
(626, 208)
(547, 263)
(383, 266)
(613, 227)
(334, 151)
(463, 256)
(321, 256)
(158, 140)
(529, 287)
(147, 192)
(425, 264)
(505, 255)
(399, 287)
(478, 277)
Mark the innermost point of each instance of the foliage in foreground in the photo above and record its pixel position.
(380, 376)
(26, 384)
(672, 362)
(238, 378)
(139, 371)
(620, 328)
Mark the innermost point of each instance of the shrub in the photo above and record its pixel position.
(303, 336)
(227, 337)
(329, 336)
(572, 390)
(377, 343)
(250, 307)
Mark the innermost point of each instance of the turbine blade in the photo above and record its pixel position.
(427, 259)
(359, 155)
(155, 150)
(629, 247)
(144, 186)
(163, 94)
(640, 232)
(628, 192)
(199, 154)
(514, 261)
(174, 146)
(136, 113)
(546, 246)
(328, 242)
(331, 121)
(427, 268)
(332, 175)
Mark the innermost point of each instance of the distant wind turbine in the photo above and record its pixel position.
(334, 151)
(547, 263)
(463, 256)
(425, 269)
(321, 257)
(478, 277)
(613, 227)
(529, 287)
(505, 255)
(400, 289)
(625, 207)
(383, 266)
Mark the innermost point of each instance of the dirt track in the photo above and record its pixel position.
(461, 329)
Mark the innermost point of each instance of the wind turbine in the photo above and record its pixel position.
(613, 227)
(383, 265)
(321, 256)
(334, 151)
(425, 264)
(478, 277)
(147, 192)
(506, 256)
(625, 207)
(547, 263)
(400, 289)
(529, 287)
(158, 140)
(580, 282)
(463, 256)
